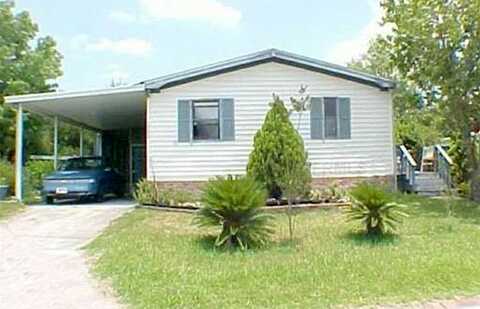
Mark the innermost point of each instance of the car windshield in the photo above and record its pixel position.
(81, 164)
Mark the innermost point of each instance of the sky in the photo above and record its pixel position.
(133, 40)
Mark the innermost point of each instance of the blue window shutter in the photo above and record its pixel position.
(227, 116)
(316, 118)
(184, 125)
(344, 112)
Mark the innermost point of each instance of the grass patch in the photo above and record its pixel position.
(158, 259)
(9, 209)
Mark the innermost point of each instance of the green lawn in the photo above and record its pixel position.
(9, 209)
(158, 259)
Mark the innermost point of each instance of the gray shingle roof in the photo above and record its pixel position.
(270, 55)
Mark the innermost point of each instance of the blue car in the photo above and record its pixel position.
(82, 178)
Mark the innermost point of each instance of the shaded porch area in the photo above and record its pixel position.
(116, 116)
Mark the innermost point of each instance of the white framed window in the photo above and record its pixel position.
(206, 120)
(331, 118)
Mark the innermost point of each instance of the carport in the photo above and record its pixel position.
(117, 115)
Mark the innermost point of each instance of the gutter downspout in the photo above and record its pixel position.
(395, 180)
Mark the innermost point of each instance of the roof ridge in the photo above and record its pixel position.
(265, 55)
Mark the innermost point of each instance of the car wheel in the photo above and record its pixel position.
(48, 200)
(100, 195)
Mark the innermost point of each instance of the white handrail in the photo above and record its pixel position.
(50, 158)
(409, 157)
(444, 154)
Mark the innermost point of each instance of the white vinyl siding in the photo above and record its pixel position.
(369, 151)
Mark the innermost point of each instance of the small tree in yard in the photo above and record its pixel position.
(294, 182)
(279, 159)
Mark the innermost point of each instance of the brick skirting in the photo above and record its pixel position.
(317, 183)
(191, 186)
(346, 182)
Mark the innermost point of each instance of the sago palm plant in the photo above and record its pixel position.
(233, 204)
(373, 207)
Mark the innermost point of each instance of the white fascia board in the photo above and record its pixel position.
(36, 97)
(337, 69)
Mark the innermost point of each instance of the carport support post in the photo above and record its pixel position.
(81, 142)
(19, 155)
(55, 142)
(98, 145)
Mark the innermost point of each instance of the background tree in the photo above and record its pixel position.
(436, 45)
(27, 64)
(417, 120)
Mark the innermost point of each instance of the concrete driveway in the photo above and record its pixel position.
(41, 264)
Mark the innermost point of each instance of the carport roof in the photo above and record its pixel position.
(103, 109)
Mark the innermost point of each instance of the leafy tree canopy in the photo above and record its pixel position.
(435, 44)
(417, 120)
(27, 64)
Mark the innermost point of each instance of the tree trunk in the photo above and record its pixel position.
(290, 218)
(475, 185)
(472, 163)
